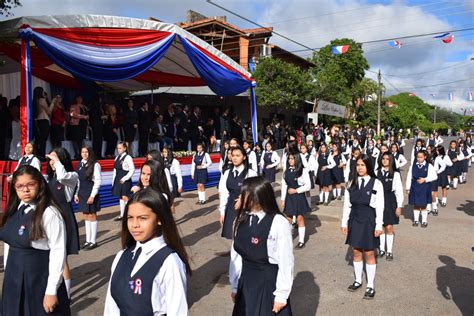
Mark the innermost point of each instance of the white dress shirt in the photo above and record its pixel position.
(206, 162)
(432, 175)
(175, 169)
(397, 187)
(375, 152)
(96, 178)
(441, 163)
(35, 162)
(275, 159)
(280, 252)
(168, 294)
(68, 179)
(168, 179)
(223, 192)
(284, 158)
(312, 163)
(252, 157)
(304, 183)
(400, 161)
(54, 240)
(127, 165)
(377, 201)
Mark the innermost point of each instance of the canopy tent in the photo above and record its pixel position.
(117, 53)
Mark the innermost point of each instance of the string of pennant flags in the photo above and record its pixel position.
(469, 96)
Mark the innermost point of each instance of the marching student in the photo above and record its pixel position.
(229, 189)
(223, 161)
(291, 147)
(174, 168)
(156, 155)
(149, 276)
(295, 183)
(257, 148)
(362, 221)
(438, 139)
(441, 164)
(418, 185)
(391, 180)
(122, 177)
(261, 258)
(325, 164)
(87, 194)
(454, 170)
(373, 152)
(269, 162)
(63, 181)
(470, 144)
(419, 146)
(345, 149)
(152, 175)
(400, 160)
(28, 158)
(354, 143)
(312, 169)
(337, 172)
(464, 163)
(311, 149)
(252, 157)
(201, 161)
(350, 169)
(34, 231)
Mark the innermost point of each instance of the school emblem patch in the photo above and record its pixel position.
(255, 240)
(136, 286)
(21, 230)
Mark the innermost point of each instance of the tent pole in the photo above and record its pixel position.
(254, 112)
(152, 101)
(26, 104)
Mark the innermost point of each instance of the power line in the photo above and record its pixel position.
(428, 72)
(438, 84)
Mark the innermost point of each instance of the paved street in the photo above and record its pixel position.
(432, 272)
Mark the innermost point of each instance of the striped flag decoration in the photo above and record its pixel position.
(450, 96)
(340, 50)
(469, 95)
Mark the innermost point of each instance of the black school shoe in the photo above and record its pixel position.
(86, 244)
(117, 218)
(435, 212)
(354, 286)
(389, 256)
(300, 245)
(424, 225)
(369, 293)
(443, 204)
(415, 224)
(91, 246)
(380, 253)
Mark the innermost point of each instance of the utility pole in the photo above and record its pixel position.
(434, 117)
(379, 96)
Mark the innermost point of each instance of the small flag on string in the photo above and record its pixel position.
(395, 44)
(469, 95)
(446, 37)
(433, 95)
(450, 96)
(339, 50)
(411, 94)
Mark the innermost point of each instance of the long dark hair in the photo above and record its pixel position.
(90, 164)
(168, 229)
(65, 160)
(158, 180)
(392, 167)
(457, 146)
(370, 170)
(298, 164)
(245, 162)
(156, 155)
(32, 143)
(440, 151)
(223, 150)
(168, 160)
(44, 199)
(256, 190)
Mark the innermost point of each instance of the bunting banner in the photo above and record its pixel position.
(395, 44)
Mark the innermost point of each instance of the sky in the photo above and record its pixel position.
(423, 65)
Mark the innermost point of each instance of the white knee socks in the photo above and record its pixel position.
(326, 197)
(416, 215)
(434, 206)
(334, 192)
(390, 243)
(321, 196)
(444, 200)
(370, 270)
(455, 183)
(67, 283)
(424, 216)
(339, 192)
(88, 230)
(202, 196)
(382, 242)
(358, 267)
(93, 232)
(301, 232)
(428, 207)
(122, 207)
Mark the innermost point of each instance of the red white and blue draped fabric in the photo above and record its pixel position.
(123, 57)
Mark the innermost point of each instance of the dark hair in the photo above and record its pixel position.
(293, 147)
(457, 146)
(420, 141)
(169, 160)
(440, 150)
(38, 93)
(354, 150)
(396, 145)
(91, 161)
(124, 144)
(168, 229)
(155, 155)
(432, 155)
(44, 199)
(64, 159)
(392, 167)
(245, 162)
(270, 143)
(298, 164)
(158, 179)
(234, 139)
(256, 190)
(223, 150)
(32, 143)
(370, 170)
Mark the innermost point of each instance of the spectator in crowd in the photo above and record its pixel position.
(42, 114)
(130, 125)
(236, 128)
(58, 122)
(97, 120)
(3, 126)
(144, 127)
(196, 127)
(111, 128)
(78, 125)
(169, 115)
(225, 125)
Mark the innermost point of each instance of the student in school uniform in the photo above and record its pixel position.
(311, 149)
(28, 159)
(149, 276)
(441, 164)
(362, 221)
(325, 164)
(87, 194)
(173, 166)
(291, 147)
(152, 175)
(156, 155)
(464, 163)
(419, 146)
(62, 180)
(223, 161)
(252, 157)
(261, 262)
(337, 172)
(257, 148)
(295, 183)
(391, 180)
(201, 161)
(400, 160)
(373, 152)
(454, 171)
(418, 185)
(229, 189)
(312, 169)
(269, 161)
(122, 176)
(345, 149)
(34, 234)
(350, 169)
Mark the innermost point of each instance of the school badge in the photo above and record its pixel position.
(21, 230)
(255, 240)
(136, 286)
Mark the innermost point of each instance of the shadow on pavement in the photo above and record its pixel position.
(407, 212)
(212, 273)
(456, 283)
(90, 277)
(467, 208)
(203, 211)
(311, 222)
(200, 233)
(305, 294)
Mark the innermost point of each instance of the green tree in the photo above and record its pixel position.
(7, 5)
(281, 84)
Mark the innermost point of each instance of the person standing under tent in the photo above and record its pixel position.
(42, 115)
(78, 125)
(294, 185)
(144, 127)
(87, 194)
(362, 221)
(393, 198)
(122, 177)
(269, 161)
(229, 189)
(63, 182)
(58, 122)
(130, 125)
(262, 261)
(418, 185)
(201, 161)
